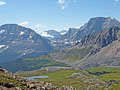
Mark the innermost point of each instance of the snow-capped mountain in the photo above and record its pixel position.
(53, 34)
(22, 42)
(63, 32)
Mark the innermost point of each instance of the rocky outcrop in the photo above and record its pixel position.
(101, 39)
(105, 52)
(10, 81)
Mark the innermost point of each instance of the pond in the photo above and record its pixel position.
(37, 77)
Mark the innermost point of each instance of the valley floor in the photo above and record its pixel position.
(91, 79)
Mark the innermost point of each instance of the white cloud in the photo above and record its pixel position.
(40, 26)
(116, 0)
(2, 3)
(62, 7)
(64, 3)
(24, 23)
(61, 1)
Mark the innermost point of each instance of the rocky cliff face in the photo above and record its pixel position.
(94, 50)
(22, 42)
(93, 26)
(105, 50)
(101, 39)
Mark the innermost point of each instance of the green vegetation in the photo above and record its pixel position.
(29, 64)
(108, 74)
(76, 78)
(112, 77)
(58, 77)
(31, 73)
(115, 87)
(103, 70)
(64, 77)
(73, 54)
(10, 82)
(43, 57)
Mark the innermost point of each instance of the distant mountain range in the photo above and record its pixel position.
(53, 34)
(94, 25)
(92, 45)
(94, 50)
(18, 42)
(98, 44)
(74, 35)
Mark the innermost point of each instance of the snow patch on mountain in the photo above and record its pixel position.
(1, 46)
(21, 33)
(63, 32)
(45, 34)
(2, 31)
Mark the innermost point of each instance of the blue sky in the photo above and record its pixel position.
(43, 15)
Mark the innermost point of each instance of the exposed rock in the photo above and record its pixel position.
(93, 26)
(29, 85)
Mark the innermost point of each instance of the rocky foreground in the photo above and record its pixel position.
(10, 81)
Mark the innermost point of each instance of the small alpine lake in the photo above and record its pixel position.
(37, 77)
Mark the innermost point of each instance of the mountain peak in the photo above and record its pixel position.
(94, 25)
(22, 42)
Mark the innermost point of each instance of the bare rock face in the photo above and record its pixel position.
(3, 70)
(102, 38)
(105, 52)
(93, 26)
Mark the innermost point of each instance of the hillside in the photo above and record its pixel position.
(106, 51)
(18, 42)
(91, 79)
(29, 64)
(10, 81)
(94, 50)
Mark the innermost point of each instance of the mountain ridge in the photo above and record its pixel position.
(22, 42)
(94, 25)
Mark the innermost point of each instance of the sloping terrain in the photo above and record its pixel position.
(10, 81)
(78, 79)
(94, 50)
(93, 26)
(102, 78)
(29, 64)
(18, 42)
(111, 75)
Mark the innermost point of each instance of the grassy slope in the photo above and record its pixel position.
(113, 73)
(10, 82)
(63, 77)
(29, 64)
(71, 54)
(103, 70)
(112, 76)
